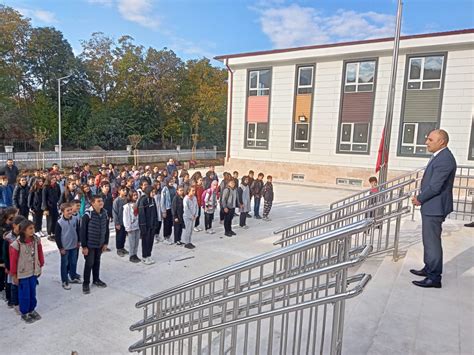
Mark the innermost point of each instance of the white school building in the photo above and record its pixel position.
(316, 113)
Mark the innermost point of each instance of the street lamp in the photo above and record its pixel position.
(60, 146)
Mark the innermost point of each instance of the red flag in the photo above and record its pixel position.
(379, 156)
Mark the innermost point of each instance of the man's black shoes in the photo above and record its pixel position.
(86, 289)
(427, 283)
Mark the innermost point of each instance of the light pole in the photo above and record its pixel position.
(60, 146)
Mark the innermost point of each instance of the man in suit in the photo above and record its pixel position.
(436, 201)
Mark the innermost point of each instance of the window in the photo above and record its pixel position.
(257, 135)
(414, 137)
(359, 76)
(259, 82)
(301, 140)
(305, 80)
(354, 137)
(425, 72)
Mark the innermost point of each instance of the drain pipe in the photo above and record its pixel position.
(231, 87)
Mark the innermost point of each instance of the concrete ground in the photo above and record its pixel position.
(391, 316)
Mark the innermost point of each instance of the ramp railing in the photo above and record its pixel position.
(287, 301)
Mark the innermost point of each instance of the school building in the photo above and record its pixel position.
(316, 113)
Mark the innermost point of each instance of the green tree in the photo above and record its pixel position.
(98, 59)
(50, 57)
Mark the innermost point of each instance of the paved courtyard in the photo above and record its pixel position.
(390, 317)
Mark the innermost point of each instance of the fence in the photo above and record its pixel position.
(35, 160)
(289, 300)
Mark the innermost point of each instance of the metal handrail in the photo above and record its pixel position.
(140, 345)
(261, 259)
(403, 211)
(317, 272)
(353, 203)
(379, 186)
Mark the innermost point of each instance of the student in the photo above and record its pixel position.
(222, 186)
(85, 196)
(267, 198)
(67, 240)
(168, 193)
(171, 167)
(6, 219)
(131, 226)
(20, 196)
(94, 234)
(157, 186)
(69, 193)
(256, 189)
(209, 204)
(91, 182)
(243, 193)
(373, 201)
(142, 187)
(177, 210)
(11, 290)
(26, 261)
(117, 213)
(235, 177)
(107, 198)
(251, 180)
(229, 200)
(190, 213)
(198, 191)
(147, 219)
(6, 193)
(85, 173)
(51, 194)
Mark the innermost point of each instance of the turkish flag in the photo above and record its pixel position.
(381, 153)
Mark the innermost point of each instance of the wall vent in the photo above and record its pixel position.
(297, 177)
(348, 182)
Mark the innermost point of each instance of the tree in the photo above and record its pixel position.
(50, 57)
(98, 58)
(203, 96)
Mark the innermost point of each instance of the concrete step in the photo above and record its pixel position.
(364, 313)
(431, 321)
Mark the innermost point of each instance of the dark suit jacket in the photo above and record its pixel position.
(436, 195)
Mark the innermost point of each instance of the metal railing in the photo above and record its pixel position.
(289, 300)
(386, 207)
(463, 194)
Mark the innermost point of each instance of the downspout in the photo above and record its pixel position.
(229, 106)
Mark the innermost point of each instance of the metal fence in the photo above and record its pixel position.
(287, 301)
(40, 160)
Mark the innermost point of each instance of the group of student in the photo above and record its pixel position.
(138, 201)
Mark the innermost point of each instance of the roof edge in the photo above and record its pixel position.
(340, 44)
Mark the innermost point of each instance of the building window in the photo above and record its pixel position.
(425, 72)
(305, 80)
(360, 76)
(257, 135)
(259, 82)
(414, 137)
(354, 137)
(301, 140)
(421, 104)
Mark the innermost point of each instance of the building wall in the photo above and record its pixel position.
(456, 113)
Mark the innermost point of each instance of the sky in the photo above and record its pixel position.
(206, 28)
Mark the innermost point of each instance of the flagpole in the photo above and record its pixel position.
(391, 98)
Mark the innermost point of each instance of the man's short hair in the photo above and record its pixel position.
(444, 135)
